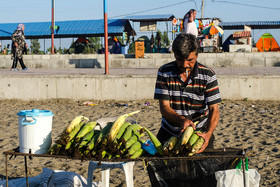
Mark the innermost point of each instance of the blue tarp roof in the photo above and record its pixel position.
(67, 28)
(158, 17)
(252, 24)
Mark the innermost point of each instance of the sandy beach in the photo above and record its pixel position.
(253, 125)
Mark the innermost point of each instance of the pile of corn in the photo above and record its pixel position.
(118, 139)
(188, 144)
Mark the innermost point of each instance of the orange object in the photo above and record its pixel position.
(213, 29)
(139, 49)
(82, 40)
(200, 24)
(174, 21)
(267, 43)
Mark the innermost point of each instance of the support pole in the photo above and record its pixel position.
(44, 45)
(26, 171)
(7, 178)
(244, 172)
(106, 37)
(202, 8)
(52, 28)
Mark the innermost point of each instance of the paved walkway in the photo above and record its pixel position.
(244, 71)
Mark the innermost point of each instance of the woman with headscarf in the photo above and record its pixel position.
(18, 43)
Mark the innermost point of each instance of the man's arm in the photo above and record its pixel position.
(169, 114)
(212, 123)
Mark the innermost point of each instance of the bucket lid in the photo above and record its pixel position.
(35, 112)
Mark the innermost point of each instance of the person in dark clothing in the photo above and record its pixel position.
(158, 38)
(18, 44)
(152, 43)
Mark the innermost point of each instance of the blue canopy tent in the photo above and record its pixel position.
(67, 29)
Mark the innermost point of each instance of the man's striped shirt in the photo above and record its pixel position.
(187, 99)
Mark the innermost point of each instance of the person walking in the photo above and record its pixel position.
(189, 23)
(18, 43)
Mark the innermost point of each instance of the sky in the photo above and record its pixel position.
(19, 11)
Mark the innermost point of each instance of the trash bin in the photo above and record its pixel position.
(35, 128)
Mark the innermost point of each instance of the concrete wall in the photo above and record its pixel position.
(268, 59)
(123, 87)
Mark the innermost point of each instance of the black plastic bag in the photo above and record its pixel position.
(181, 172)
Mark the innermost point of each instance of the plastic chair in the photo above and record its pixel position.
(127, 167)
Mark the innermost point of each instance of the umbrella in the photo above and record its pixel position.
(213, 29)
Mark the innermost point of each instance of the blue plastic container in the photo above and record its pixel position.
(149, 147)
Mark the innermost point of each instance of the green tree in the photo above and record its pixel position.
(165, 39)
(50, 49)
(131, 48)
(95, 44)
(62, 51)
(35, 46)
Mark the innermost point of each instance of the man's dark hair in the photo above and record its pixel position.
(184, 44)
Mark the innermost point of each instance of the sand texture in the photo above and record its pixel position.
(253, 125)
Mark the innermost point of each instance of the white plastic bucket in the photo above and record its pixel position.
(35, 127)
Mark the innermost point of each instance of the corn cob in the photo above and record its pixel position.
(130, 130)
(75, 131)
(86, 139)
(74, 123)
(187, 134)
(170, 144)
(117, 125)
(134, 127)
(104, 132)
(93, 141)
(122, 130)
(196, 147)
(126, 135)
(137, 153)
(86, 128)
(132, 139)
(194, 138)
(137, 145)
(155, 141)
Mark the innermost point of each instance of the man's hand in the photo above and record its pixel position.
(206, 137)
(16, 44)
(212, 122)
(172, 116)
(185, 123)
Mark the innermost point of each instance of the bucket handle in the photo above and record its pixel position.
(28, 118)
